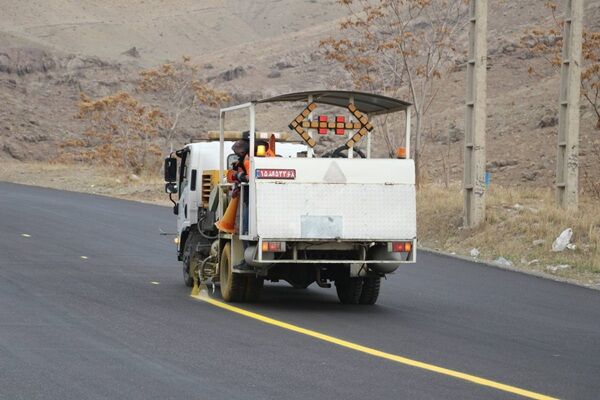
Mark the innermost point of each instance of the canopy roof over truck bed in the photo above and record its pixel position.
(371, 104)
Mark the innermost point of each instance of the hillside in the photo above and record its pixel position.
(52, 50)
(159, 29)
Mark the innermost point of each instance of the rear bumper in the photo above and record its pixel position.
(373, 254)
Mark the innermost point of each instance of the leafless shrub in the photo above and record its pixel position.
(121, 132)
(180, 86)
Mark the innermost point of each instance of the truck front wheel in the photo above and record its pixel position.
(233, 286)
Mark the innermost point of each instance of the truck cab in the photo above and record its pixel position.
(338, 217)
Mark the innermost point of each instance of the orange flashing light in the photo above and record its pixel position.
(261, 150)
(401, 152)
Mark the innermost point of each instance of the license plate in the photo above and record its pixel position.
(275, 174)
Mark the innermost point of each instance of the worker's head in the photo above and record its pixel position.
(241, 148)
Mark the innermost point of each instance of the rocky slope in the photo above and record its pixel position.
(52, 50)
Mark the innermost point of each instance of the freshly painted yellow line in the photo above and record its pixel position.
(203, 296)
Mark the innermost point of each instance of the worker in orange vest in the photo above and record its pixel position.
(241, 168)
(240, 174)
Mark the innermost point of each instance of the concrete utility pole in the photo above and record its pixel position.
(474, 164)
(567, 163)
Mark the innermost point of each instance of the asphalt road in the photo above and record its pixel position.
(120, 324)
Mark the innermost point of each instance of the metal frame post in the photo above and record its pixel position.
(222, 178)
(474, 161)
(252, 133)
(222, 146)
(567, 162)
(407, 132)
(351, 150)
(310, 152)
(252, 180)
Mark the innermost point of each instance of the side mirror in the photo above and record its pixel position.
(171, 170)
(170, 188)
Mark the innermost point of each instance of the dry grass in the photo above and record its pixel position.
(515, 218)
(88, 179)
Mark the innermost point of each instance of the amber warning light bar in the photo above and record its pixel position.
(275, 174)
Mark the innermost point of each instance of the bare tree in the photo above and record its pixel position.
(392, 46)
(182, 89)
(547, 42)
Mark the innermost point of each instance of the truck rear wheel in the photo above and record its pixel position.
(370, 290)
(233, 286)
(349, 290)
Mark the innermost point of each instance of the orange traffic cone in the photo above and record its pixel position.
(227, 223)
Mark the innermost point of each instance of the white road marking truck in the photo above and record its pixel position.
(338, 217)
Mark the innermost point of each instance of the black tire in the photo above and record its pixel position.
(233, 286)
(349, 290)
(254, 287)
(370, 290)
(190, 256)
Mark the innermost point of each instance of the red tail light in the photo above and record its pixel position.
(273, 247)
(400, 247)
